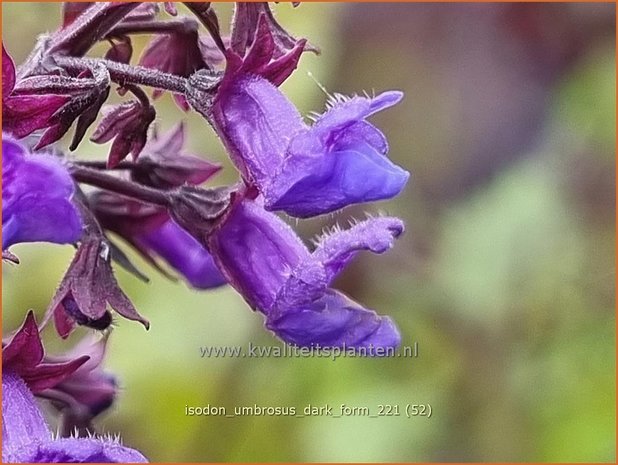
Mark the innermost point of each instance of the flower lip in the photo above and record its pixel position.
(306, 171)
(334, 320)
(266, 262)
(338, 181)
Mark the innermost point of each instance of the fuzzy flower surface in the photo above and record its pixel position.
(304, 170)
(36, 198)
(26, 437)
(269, 265)
(28, 370)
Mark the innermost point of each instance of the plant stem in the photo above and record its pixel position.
(89, 27)
(154, 26)
(102, 165)
(126, 74)
(109, 182)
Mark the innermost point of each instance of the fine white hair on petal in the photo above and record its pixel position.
(337, 99)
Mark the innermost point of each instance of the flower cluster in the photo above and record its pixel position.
(156, 201)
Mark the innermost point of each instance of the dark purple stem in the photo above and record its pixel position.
(126, 74)
(153, 27)
(109, 182)
(89, 27)
(102, 165)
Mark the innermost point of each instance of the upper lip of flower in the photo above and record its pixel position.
(290, 285)
(306, 171)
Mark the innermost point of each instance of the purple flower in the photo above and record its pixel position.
(307, 171)
(269, 265)
(27, 438)
(23, 114)
(152, 232)
(182, 252)
(36, 198)
(74, 381)
(127, 123)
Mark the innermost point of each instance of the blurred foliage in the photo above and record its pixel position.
(507, 283)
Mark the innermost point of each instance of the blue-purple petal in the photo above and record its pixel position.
(36, 192)
(22, 421)
(345, 111)
(26, 438)
(183, 253)
(311, 184)
(340, 161)
(257, 122)
(361, 131)
(257, 250)
(273, 270)
(376, 235)
(81, 450)
(334, 321)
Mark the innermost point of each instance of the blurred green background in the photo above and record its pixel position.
(505, 277)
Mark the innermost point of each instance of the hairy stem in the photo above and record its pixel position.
(126, 74)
